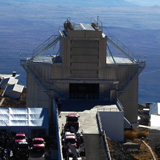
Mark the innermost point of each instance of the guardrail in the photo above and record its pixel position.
(124, 49)
(25, 56)
(103, 133)
(119, 105)
(60, 157)
(106, 145)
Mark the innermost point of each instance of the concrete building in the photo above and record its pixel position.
(83, 67)
(31, 121)
(8, 81)
(154, 112)
(14, 91)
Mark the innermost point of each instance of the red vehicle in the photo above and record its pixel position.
(70, 144)
(70, 138)
(20, 137)
(72, 121)
(39, 144)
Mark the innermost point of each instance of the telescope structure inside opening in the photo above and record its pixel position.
(82, 62)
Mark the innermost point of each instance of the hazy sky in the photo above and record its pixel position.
(145, 2)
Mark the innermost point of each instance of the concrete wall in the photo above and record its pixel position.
(36, 95)
(129, 100)
(113, 124)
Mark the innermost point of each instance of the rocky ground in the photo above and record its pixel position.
(153, 139)
(13, 103)
(139, 136)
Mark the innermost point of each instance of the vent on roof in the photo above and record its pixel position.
(13, 73)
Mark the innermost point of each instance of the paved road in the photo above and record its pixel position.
(36, 156)
(94, 146)
(33, 156)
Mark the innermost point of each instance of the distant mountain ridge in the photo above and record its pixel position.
(82, 3)
(145, 2)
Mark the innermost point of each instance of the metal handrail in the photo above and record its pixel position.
(45, 46)
(121, 48)
(124, 49)
(119, 105)
(135, 73)
(107, 147)
(60, 157)
(44, 43)
(103, 133)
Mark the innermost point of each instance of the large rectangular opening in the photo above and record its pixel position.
(84, 91)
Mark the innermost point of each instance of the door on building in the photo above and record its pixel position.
(83, 91)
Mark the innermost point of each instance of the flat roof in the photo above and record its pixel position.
(15, 87)
(48, 59)
(118, 60)
(10, 80)
(82, 26)
(24, 117)
(53, 59)
(8, 75)
(43, 59)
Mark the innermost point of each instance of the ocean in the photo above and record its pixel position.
(23, 26)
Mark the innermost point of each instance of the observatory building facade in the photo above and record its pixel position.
(79, 64)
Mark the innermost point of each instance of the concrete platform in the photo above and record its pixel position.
(87, 110)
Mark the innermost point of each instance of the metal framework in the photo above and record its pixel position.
(42, 48)
(55, 39)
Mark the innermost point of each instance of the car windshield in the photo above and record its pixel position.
(38, 142)
(72, 141)
(20, 137)
(23, 146)
(72, 119)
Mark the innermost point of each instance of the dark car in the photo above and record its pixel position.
(72, 121)
(38, 144)
(21, 150)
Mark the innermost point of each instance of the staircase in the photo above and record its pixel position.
(137, 71)
(50, 42)
(126, 52)
(120, 47)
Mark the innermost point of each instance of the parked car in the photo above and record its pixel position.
(72, 121)
(38, 144)
(20, 137)
(21, 150)
(69, 144)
